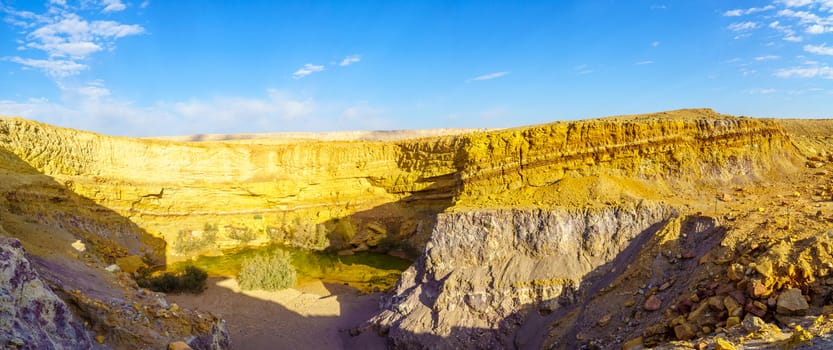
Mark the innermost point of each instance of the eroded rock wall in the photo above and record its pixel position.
(483, 270)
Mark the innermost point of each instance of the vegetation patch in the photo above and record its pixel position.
(191, 280)
(188, 241)
(273, 272)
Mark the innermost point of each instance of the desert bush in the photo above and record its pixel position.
(191, 280)
(186, 241)
(244, 234)
(267, 272)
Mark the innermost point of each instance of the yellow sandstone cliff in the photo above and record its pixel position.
(355, 194)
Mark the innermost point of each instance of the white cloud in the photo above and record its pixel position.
(66, 37)
(818, 29)
(742, 26)
(363, 116)
(644, 62)
(819, 49)
(806, 72)
(489, 76)
(762, 91)
(350, 60)
(307, 69)
(749, 11)
(92, 107)
(144, 4)
(112, 6)
(53, 68)
(583, 69)
(655, 43)
(767, 58)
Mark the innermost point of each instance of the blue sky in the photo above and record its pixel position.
(153, 67)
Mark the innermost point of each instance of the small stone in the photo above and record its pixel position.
(716, 303)
(735, 272)
(684, 331)
(725, 197)
(179, 345)
(652, 304)
(99, 339)
(113, 268)
(732, 321)
(79, 246)
(792, 302)
(604, 321)
(630, 303)
(633, 344)
(757, 289)
(753, 323)
(665, 286)
(723, 344)
(175, 307)
(354, 332)
(764, 268)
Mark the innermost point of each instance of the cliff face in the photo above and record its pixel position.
(349, 194)
(506, 223)
(483, 270)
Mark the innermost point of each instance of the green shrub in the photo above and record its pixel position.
(267, 273)
(244, 235)
(192, 280)
(186, 241)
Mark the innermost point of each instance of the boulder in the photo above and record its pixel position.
(792, 302)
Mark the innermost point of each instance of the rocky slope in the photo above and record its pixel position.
(516, 231)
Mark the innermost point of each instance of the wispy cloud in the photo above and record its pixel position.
(112, 6)
(583, 69)
(489, 76)
(743, 26)
(307, 69)
(762, 91)
(93, 107)
(819, 49)
(749, 11)
(65, 37)
(766, 58)
(350, 60)
(825, 72)
(655, 43)
(644, 62)
(52, 67)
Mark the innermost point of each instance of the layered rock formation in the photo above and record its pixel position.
(506, 223)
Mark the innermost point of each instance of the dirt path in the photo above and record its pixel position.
(310, 316)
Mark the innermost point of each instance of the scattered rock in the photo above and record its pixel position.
(79, 246)
(723, 344)
(732, 321)
(113, 268)
(179, 345)
(735, 272)
(757, 289)
(792, 302)
(99, 339)
(684, 331)
(725, 197)
(764, 268)
(604, 321)
(753, 323)
(633, 344)
(652, 304)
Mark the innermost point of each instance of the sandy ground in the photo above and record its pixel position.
(314, 315)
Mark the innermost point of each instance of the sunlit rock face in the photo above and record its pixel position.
(206, 196)
(499, 220)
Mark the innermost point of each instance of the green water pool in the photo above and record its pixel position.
(365, 271)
